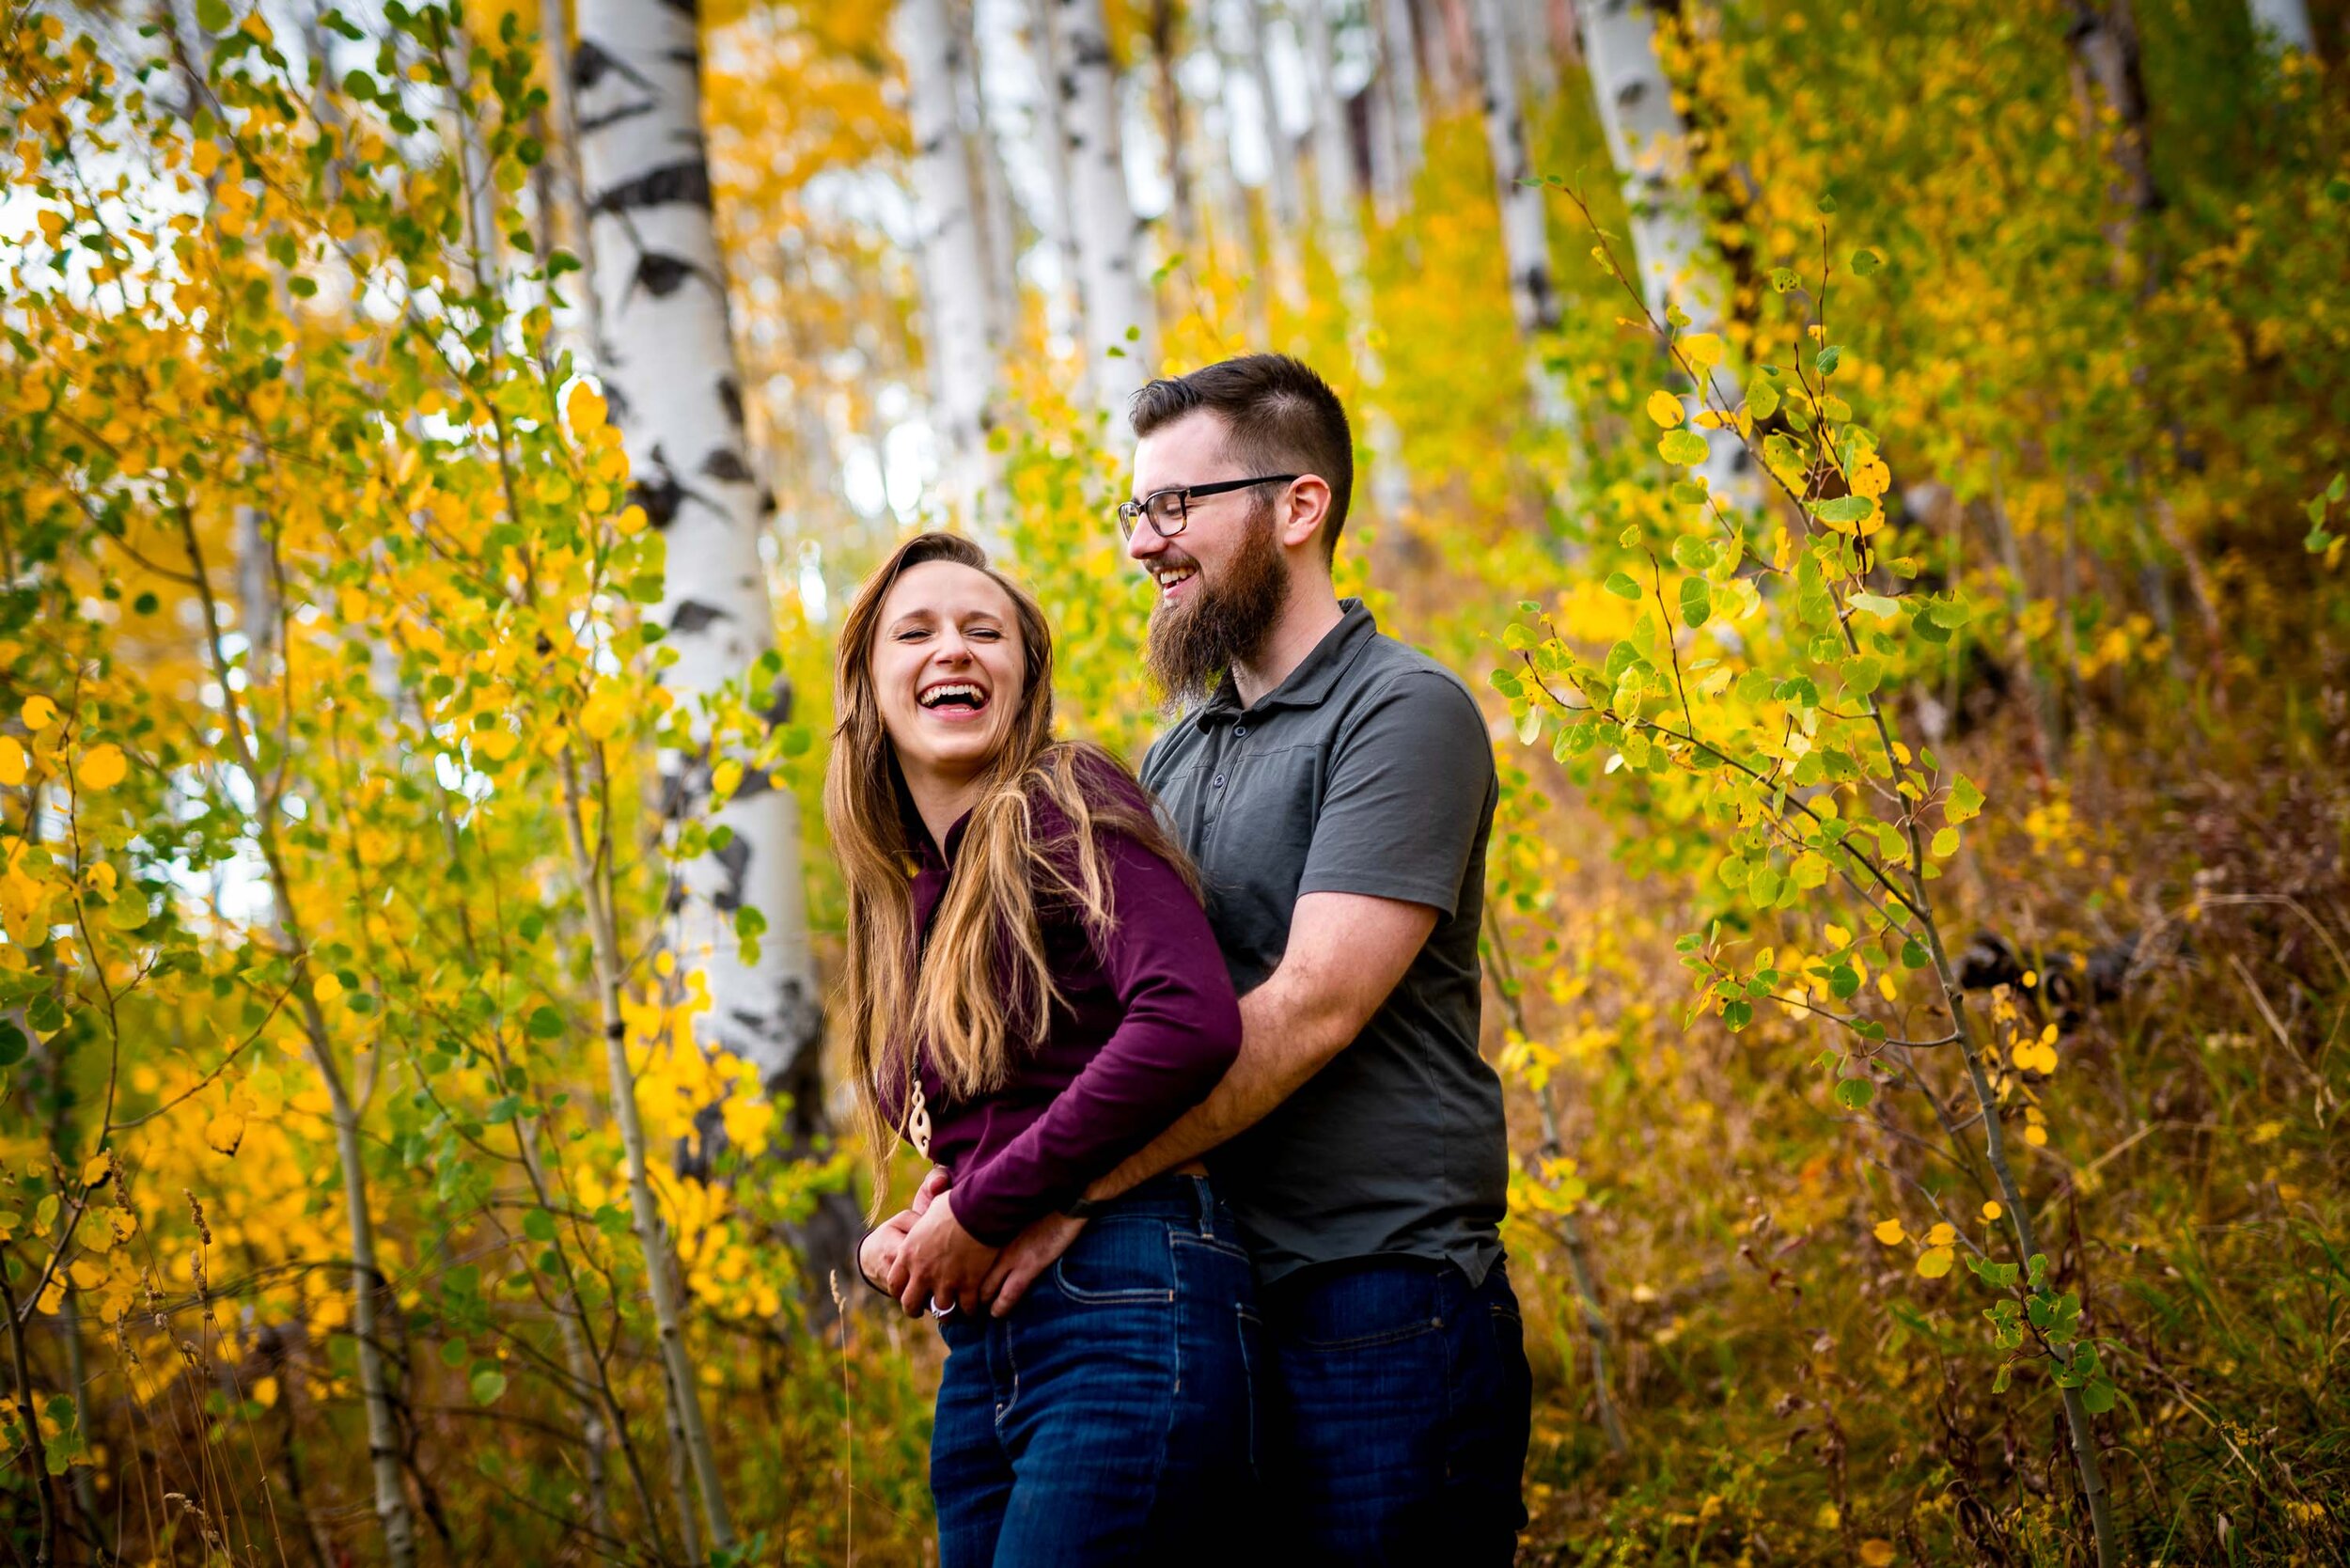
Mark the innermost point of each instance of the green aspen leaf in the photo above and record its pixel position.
(1945, 843)
(1828, 206)
(45, 1013)
(1855, 1093)
(1683, 446)
(455, 1354)
(1965, 801)
(1844, 981)
(1527, 607)
(1828, 359)
(1844, 508)
(1753, 687)
(1515, 637)
(1865, 263)
(1863, 674)
(12, 1044)
(538, 1225)
(1529, 725)
(1783, 279)
(1951, 612)
(545, 1024)
(1690, 492)
(1876, 605)
(1621, 586)
(486, 1383)
(1697, 600)
(213, 16)
(1737, 1015)
(1692, 554)
(2098, 1398)
(1762, 399)
(1912, 955)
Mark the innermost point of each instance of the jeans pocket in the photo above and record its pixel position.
(1251, 1358)
(1118, 1261)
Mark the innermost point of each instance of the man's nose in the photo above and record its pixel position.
(1144, 543)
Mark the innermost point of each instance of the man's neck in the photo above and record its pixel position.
(1305, 621)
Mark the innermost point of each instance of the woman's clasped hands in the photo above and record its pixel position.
(926, 1259)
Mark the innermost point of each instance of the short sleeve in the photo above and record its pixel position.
(1410, 781)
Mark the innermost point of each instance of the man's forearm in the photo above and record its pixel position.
(1281, 1046)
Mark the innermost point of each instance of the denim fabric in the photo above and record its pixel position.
(1109, 1419)
(1397, 1427)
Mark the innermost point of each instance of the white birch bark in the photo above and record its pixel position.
(1120, 325)
(2285, 25)
(953, 255)
(1677, 264)
(1524, 230)
(1334, 157)
(669, 370)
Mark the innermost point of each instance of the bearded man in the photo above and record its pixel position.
(1335, 788)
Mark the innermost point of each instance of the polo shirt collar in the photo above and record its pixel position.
(1316, 675)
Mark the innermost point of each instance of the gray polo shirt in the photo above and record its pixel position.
(1367, 771)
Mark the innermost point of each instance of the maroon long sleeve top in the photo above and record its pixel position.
(1146, 1024)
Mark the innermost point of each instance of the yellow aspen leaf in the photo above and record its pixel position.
(1876, 1553)
(97, 1169)
(1935, 1263)
(602, 715)
(225, 1131)
(1943, 1234)
(2036, 1136)
(496, 745)
(1990, 1209)
(1703, 350)
(326, 988)
(103, 767)
(11, 760)
(1665, 409)
(1890, 1231)
(38, 714)
(584, 408)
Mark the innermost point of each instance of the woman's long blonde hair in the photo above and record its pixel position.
(982, 988)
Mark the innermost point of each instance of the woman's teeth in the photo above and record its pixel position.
(961, 694)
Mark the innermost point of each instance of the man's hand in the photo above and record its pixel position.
(1031, 1252)
(941, 1262)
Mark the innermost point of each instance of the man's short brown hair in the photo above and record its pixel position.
(1281, 419)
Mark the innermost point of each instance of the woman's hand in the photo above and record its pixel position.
(877, 1256)
(941, 1262)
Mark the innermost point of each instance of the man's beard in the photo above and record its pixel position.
(1195, 642)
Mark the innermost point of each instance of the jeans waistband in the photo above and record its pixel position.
(1184, 1200)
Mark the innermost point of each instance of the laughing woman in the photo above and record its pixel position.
(1034, 995)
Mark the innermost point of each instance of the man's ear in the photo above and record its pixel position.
(1305, 510)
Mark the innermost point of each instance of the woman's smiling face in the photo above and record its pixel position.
(949, 668)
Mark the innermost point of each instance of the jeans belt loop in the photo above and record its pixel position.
(1207, 1206)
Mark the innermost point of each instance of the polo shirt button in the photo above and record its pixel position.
(1219, 781)
(1240, 731)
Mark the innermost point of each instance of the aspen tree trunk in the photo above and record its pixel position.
(669, 368)
(999, 234)
(952, 252)
(2285, 25)
(1285, 208)
(1119, 324)
(554, 37)
(1677, 263)
(367, 1290)
(1168, 96)
(1525, 231)
(1059, 218)
(1398, 65)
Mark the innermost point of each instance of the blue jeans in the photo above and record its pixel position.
(1109, 1417)
(1398, 1428)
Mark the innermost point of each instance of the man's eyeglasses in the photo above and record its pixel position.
(1168, 510)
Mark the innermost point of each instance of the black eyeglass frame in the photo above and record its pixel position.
(1130, 512)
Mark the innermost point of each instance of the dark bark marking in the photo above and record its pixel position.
(687, 180)
(724, 463)
(694, 616)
